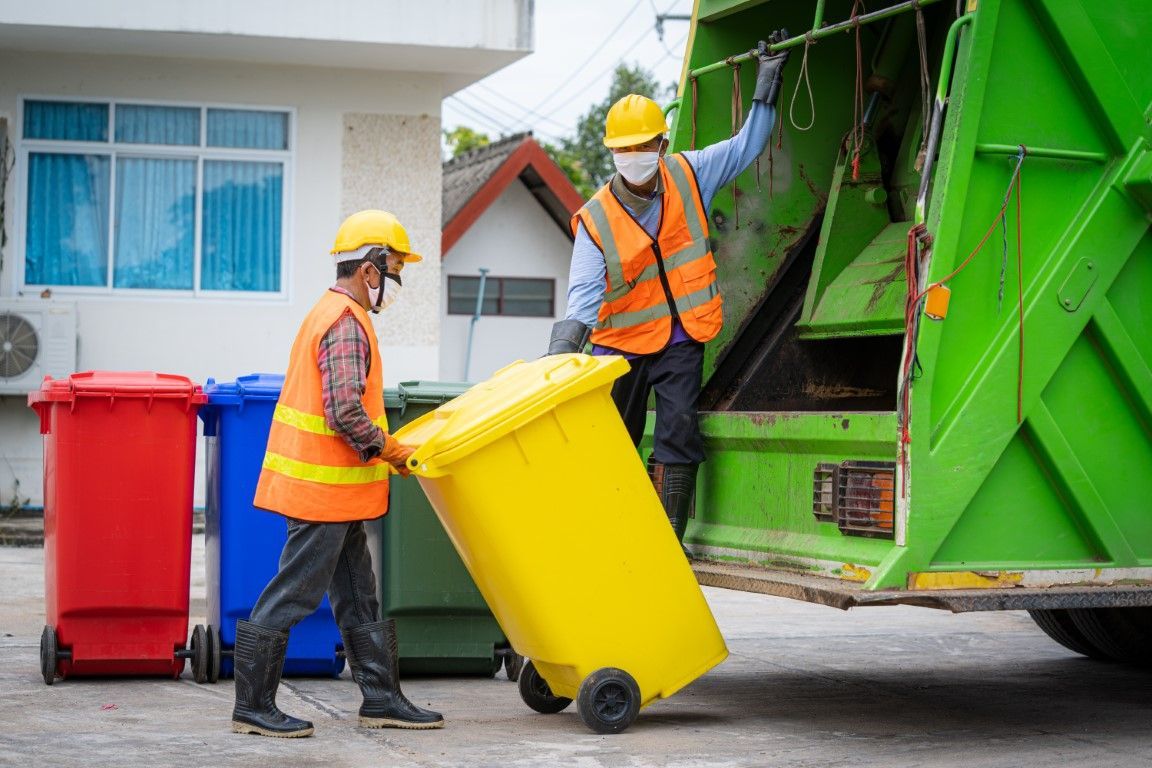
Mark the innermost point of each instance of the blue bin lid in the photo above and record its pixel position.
(254, 386)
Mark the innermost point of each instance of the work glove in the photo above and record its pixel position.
(568, 336)
(396, 454)
(770, 70)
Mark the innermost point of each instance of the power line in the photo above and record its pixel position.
(478, 115)
(517, 105)
(580, 67)
(500, 110)
(481, 117)
(572, 97)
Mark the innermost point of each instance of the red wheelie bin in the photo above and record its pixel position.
(119, 463)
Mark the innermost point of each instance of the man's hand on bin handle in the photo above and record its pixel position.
(568, 336)
(768, 75)
(397, 455)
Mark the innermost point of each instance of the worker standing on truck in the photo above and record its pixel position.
(326, 470)
(643, 281)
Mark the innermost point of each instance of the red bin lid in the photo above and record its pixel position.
(118, 384)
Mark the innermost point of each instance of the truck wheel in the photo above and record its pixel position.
(609, 700)
(48, 654)
(1058, 625)
(1122, 634)
(536, 694)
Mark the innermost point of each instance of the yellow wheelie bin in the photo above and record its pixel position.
(548, 503)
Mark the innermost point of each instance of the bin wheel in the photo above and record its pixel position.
(48, 654)
(536, 694)
(213, 654)
(513, 665)
(608, 701)
(199, 646)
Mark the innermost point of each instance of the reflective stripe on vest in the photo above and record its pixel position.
(306, 422)
(683, 304)
(319, 473)
(618, 286)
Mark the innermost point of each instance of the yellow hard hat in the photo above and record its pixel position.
(372, 227)
(633, 120)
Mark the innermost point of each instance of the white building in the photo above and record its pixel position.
(178, 171)
(506, 210)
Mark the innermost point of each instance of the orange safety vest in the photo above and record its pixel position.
(310, 472)
(651, 282)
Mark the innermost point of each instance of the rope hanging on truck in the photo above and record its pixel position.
(857, 97)
(808, 42)
(919, 244)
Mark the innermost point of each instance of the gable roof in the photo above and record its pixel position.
(474, 180)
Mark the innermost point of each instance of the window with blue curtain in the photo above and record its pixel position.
(172, 168)
(67, 227)
(242, 204)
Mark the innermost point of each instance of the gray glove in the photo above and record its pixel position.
(568, 336)
(768, 75)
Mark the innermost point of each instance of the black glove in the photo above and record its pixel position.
(768, 74)
(568, 336)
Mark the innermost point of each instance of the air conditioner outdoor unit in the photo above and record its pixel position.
(37, 339)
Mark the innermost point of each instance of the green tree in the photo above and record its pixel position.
(573, 168)
(585, 151)
(462, 139)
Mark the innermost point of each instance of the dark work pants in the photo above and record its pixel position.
(319, 558)
(675, 374)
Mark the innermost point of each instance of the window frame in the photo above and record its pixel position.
(500, 296)
(113, 151)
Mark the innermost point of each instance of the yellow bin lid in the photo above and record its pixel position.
(514, 396)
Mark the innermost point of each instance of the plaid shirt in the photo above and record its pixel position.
(344, 359)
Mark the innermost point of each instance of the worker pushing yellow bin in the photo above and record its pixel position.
(535, 480)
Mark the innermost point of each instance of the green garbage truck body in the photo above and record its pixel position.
(934, 381)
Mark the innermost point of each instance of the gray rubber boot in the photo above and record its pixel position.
(258, 660)
(373, 658)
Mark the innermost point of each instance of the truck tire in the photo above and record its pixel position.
(1058, 625)
(1123, 634)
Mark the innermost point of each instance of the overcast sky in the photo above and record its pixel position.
(577, 47)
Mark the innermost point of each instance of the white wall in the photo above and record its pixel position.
(515, 237)
(363, 139)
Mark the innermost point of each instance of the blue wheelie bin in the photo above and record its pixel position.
(243, 543)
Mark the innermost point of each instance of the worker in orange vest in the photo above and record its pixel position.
(326, 470)
(643, 280)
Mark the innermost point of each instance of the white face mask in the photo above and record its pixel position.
(391, 284)
(636, 167)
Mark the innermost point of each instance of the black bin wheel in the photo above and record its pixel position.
(536, 694)
(608, 701)
(213, 654)
(48, 654)
(513, 665)
(199, 647)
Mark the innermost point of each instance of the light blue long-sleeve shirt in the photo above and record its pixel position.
(715, 166)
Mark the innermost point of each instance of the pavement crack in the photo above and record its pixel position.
(312, 700)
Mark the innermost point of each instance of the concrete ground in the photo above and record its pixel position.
(805, 686)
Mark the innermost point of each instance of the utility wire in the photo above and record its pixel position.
(580, 67)
(522, 120)
(526, 110)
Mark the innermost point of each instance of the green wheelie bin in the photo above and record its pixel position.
(443, 625)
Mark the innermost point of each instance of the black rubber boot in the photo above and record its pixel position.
(258, 660)
(373, 658)
(675, 484)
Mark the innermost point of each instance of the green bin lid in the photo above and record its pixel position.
(432, 391)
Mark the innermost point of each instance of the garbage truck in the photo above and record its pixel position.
(934, 382)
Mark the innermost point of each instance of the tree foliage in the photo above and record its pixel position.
(587, 147)
(463, 139)
(582, 157)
